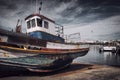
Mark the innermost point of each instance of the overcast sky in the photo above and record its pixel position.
(94, 19)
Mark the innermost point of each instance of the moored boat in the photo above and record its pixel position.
(41, 60)
(43, 43)
(108, 48)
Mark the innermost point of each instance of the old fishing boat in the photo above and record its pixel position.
(42, 48)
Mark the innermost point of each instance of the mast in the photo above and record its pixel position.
(40, 6)
(18, 26)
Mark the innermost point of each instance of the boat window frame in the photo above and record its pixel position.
(46, 24)
(33, 23)
(39, 22)
(28, 24)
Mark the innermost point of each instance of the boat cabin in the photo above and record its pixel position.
(41, 27)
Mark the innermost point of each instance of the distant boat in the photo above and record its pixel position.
(108, 48)
(41, 49)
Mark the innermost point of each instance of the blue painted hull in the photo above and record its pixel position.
(46, 36)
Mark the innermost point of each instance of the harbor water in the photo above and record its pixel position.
(101, 58)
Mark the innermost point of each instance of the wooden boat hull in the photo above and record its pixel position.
(45, 60)
(46, 63)
(53, 66)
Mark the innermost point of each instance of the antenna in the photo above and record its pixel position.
(40, 7)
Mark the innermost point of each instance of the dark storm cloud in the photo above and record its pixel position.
(66, 12)
(11, 10)
(113, 36)
(102, 8)
(7, 5)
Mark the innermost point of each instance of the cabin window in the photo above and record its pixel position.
(33, 23)
(39, 22)
(28, 25)
(46, 24)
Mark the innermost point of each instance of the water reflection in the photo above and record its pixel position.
(95, 57)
